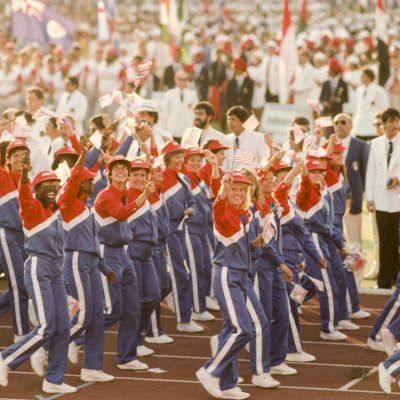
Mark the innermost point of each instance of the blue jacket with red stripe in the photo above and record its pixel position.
(78, 219)
(9, 209)
(111, 212)
(231, 229)
(42, 227)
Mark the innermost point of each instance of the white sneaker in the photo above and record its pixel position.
(373, 272)
(240, 380)
(333, 336)
(73, 355)
(264, 380)
(389, 341)
(346, 325)
(283, 369)
(134, 365)
(204, 316)
(143, 351)
(163, 339)
(385, 379)
(214, 345)
(39, 361)
(235, 394)
(170, 302)
(209, 383)
(360, 314)
(94, 375)
(375, 345)
(212, 304)
(48, 387)
(301, 357)
(3, 373)
(189, 327)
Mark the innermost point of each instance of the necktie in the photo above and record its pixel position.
(182, 97)
(236, 143)
(390, 152)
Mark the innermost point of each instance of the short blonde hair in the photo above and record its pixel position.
(247, 199)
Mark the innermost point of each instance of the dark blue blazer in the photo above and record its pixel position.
(356, 165)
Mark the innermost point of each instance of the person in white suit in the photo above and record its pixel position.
(178, 106)
(369, 99)
(382, 194)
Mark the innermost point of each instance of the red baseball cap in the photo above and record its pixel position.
(118, 159)
(139, 163)
(193, 151)
(86, 173)
(171, 147)
(238, 177)
(44, 176)
(64, 151)
(216, 145)
(280, 166)
(17, 145)
(314, 164)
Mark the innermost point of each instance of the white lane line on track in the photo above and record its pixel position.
(355, 381)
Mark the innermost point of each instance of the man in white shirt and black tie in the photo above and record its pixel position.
(73, 102)
(382, 193)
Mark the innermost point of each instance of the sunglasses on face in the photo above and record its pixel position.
(341, 122)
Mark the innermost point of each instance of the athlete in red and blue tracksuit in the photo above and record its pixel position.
(143, 225)
(121, 297)
(178, 199)
(159, 256)
(233, 260)
(81, 263)
(316, 217)
(12, 251)
(43, 279)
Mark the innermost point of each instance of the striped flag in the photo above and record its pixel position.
(244, 157)
(251, 123)
(298, 134)
(314, 104)
(143, 72)
(191, 137)
(44, 113)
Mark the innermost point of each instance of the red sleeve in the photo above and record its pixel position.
(30, 209)
(154, 151)
(75, 144)
(219, 209)
(281, 195)
(107, 206)
(215, 186)
(304, 191)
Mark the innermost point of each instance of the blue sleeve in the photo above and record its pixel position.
(272, 255)
(92, 157)
(309, 245)
(125, 146)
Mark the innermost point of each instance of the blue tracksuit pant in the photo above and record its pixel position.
(83, 282)
(45, 284)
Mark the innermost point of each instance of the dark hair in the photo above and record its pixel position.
(152, 114)
(37, 91)
(98, 121)
(73, 80)
(207, 107)
(390, 113)
(301, 120)
(53, 122)
(369, 73)
(240, 112)
(3, 151)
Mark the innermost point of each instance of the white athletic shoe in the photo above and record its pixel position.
(346, 325)
(209, 383)
(134, 365)
(389, 341)
(94, 375)
(240, 380)
(264, 380)
(360, 314)
(73, 355)
(235, 394)
(214, 345)
(385, 379)
(163, 339)
(204, 316)
(143, 351)
(39, 361)
(333, 336)
(48, 387)
(212, 304)
(189, 327)
(3, 373)
(301, 357)
(283, 369)
(375, 345)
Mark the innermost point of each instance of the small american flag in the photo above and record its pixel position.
(324, 122)
(268, 228)
(244, 157)
(298, 134)
(143, 71)
(191, 137)
(44, 112)
(314, 104)
(251, 123)
(106, 100)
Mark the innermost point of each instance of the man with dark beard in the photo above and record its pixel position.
(203, 116)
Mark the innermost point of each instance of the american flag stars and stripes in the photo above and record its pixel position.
(244, 157)
(298, 134)
(251, 123)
